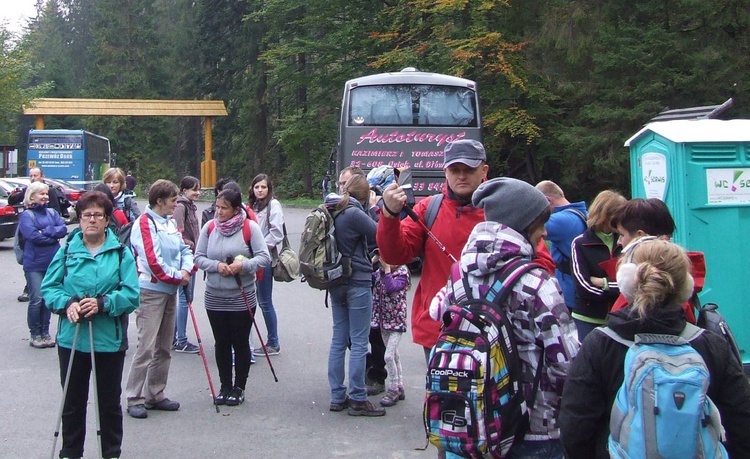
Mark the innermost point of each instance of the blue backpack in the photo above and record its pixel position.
(662, 409)
(474, 405)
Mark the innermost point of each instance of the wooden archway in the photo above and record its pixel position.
(206, 109)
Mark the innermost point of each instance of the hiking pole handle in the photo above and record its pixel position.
(188, 294)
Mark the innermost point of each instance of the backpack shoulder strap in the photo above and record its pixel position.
(576, 212)
(433, 207)
(246, 235)
(613, 335)
(690, 332)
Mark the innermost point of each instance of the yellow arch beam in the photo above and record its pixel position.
(137, 107)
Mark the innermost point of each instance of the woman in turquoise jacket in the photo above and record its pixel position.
(93, 278)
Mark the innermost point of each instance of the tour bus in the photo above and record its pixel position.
(405, 119)
(77, 156)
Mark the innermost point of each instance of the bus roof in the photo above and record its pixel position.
(64, 131)
(410, 75)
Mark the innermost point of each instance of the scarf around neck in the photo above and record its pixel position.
(232, 225)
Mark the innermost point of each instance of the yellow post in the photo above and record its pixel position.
(39, 122)
(208, 165)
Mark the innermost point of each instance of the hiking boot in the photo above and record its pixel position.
(374, 387)
(236, 396)
(164, 405)
(339, 406)
(23, 298)
(187, 348)
(221, 399)
(390, 398)
(138, 411)
(48, 341)
(37, 342)
(364, 409)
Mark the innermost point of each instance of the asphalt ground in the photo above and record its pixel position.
(284, 419)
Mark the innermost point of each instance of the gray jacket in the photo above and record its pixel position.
(215, 248)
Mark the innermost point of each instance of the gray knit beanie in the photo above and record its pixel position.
(509, 201)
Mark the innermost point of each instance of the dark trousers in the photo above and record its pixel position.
(232, 331)
(108, 383)
(376, 371)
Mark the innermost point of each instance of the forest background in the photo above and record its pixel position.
(562, 83)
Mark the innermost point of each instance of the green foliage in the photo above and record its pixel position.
(17, 85)
(562, 84)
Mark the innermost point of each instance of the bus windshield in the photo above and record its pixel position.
(405, 119)
(412, 105)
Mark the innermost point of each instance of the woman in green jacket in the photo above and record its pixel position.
(93, 278)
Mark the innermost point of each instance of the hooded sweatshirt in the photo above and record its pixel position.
(562, 227)
(536, 309)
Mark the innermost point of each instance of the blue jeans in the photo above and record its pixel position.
(264, 289)
(351, 308)
(181, 318)
(584, 328)
(37, 315)
(527, 449)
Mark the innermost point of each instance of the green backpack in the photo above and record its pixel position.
(321, 264)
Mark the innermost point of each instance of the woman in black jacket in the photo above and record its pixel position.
(596, 247)
(659, 283)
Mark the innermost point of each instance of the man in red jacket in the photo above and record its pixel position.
(399, 241)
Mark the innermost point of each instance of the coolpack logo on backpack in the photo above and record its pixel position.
(320, 262)
(662, 408)
(474, 405)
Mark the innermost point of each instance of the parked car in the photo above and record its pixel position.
(8, 213)
(68, 194)
(72, 194)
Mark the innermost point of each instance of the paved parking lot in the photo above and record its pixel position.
(288, 419)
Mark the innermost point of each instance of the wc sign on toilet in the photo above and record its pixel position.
(728, 185)
(654, 175)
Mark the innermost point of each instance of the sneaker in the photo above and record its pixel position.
(48, 341)
(374, 387)
(164, 405)
(138, 411)
(252, 358)
(339, 406)
(390, 398)
(364, 409)
(187, 348)
(221, 399)
(37, 342)
(236, 396)
(23, 298)
(272, 350)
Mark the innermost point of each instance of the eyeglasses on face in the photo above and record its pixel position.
(95, 216)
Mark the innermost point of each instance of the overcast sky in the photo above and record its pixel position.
(14, 13)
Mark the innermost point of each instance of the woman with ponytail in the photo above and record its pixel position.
(655, 279)
(351, 302)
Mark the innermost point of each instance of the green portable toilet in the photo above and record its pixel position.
(701, 170)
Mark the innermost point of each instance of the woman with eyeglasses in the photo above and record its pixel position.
(41, 229)
(92, 279)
